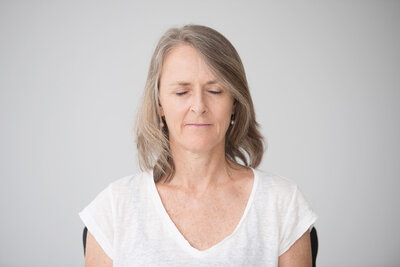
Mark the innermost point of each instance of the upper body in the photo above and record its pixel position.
(205, 207)
(132, 226)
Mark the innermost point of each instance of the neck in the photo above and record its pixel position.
(200, 171)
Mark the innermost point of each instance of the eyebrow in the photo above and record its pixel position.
(183, 83)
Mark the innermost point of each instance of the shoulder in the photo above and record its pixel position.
(129, 186)
(128, 181)
(281, 194)
(274, 189)
(274, 183)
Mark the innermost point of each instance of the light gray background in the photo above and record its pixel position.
(324, 76)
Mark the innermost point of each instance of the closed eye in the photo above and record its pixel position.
(215, 92)
(180, 93)
(212, 92)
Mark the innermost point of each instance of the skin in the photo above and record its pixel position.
(198, 110)
(95, 255)
(299, 254)
(199, 152)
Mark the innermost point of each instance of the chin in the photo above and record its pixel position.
(200, 146)
(197, 143)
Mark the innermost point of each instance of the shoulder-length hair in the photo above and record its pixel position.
(242, 138)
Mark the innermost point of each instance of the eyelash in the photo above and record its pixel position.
(212, 92)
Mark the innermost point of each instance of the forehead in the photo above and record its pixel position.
(185, 63)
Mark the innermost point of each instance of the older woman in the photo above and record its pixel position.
(199, 200)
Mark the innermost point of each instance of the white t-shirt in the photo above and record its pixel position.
(130, 223)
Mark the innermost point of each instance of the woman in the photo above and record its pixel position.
(195, 203)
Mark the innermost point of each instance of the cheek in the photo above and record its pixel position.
(224, 111)
(224, 119)
(174, 115)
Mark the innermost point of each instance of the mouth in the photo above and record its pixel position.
(199, 125)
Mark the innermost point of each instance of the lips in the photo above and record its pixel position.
(197, 124)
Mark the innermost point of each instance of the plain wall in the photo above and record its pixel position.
(324, 77)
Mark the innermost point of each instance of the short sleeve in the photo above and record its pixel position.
(298, 219)
(99, 220)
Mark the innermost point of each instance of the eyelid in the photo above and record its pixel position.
(181, 93)
(212, 91)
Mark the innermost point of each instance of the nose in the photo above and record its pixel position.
(198, 105)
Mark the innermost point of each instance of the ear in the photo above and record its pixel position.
(160, 108)
(161, 111)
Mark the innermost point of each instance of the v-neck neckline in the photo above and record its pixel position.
(179, 236)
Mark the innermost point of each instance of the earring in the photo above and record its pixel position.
(232, 122)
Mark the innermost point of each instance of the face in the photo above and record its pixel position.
(197, 108)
